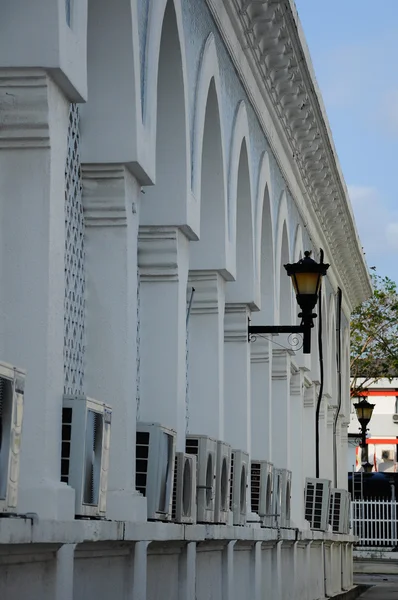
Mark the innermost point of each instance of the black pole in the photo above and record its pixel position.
(318, 406)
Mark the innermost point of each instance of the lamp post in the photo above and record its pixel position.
(306, 276)
(364, 411)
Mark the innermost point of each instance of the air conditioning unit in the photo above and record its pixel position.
(238, 492)
(86, 431)
(184, 489)
(317, 492)
(387, 454)
(395, 418)
(223, 477)
(261, 476)
(205, 450)
(154, 474)
(12, 384)
(339, 510)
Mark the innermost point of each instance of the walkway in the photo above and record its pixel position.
(384, 587)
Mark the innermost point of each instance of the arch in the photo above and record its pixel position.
(331, 343)
(325, 334)
(208, 75)
(166, 203)
(264, 245)
(242, 290)
(345, 373)
(282, 256)
(110, 122)
(209, 178)
(240, 134)
(298, 248)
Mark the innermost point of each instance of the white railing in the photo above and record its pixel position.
(374, 522)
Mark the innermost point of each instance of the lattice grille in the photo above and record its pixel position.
(138, 342)
(74, 305)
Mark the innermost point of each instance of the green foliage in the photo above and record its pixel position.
(374, 336)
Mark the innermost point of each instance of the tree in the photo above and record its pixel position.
(374, 336)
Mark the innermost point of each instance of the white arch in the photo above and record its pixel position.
(264, 192)
(281, 224)
(331, 343)
(211, 251)
(167, 119)
(112, 64)
(156, 13)
(298, 251)
(239, 135)
(208, 71)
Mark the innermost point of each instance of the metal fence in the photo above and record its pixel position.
(374, 522)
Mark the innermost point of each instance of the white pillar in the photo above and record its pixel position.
(342, 474)
(33, 144)
(323, 445)
(281, 408)
(205, 411)
(163, 257)
(261, 395)
(331, 411)
(309, 431)
(237, 377)
(111, 198)
(296, 448)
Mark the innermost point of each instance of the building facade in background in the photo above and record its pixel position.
(383, 428)
(160, 161)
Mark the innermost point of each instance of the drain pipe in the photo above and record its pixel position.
(338, 363)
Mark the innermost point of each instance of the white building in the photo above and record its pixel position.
(383, 427)
(148, 148)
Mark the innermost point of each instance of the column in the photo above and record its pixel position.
(163, 257)
(111, 200)
(296, 449)
(281, 408)
(323, 445)
(33, 150)
(310, 400)
(331, 411)
(261, 394)
(237, 377)
(342, 474)
(205, 410)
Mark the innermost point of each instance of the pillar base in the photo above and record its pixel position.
(50, 501)
(126, 505)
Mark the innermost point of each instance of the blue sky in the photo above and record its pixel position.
(354, 49)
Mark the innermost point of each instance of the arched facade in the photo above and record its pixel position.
(156, 214)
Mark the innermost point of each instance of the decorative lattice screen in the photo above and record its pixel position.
(74, 315)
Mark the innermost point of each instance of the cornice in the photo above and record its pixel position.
(273, 44)
(25, 108)
(104, 195)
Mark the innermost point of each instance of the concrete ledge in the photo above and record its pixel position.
(353, 593)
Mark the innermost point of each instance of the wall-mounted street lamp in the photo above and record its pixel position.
(364, 412)
(306, 276)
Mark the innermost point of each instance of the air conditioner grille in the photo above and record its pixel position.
(232, 479)
(192, 446)
(92, 471)
(255, 486)
(142, 452)
(313, 505)
(174, 497)
(66, 441)
(334, 512)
